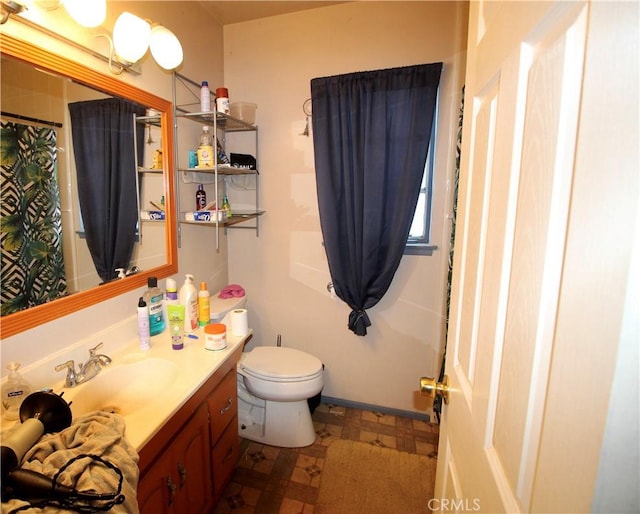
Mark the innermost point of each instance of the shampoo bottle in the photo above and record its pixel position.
(153, 297)
(189, 298)
(143, 325)
(14, 392)
(201, 198)
(204, 314)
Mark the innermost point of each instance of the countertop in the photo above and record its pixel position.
(194, 365)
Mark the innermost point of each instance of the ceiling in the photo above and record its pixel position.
(230, 11)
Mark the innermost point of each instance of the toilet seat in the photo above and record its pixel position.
(280, 364)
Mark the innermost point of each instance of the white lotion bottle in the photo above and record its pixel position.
(189, 298)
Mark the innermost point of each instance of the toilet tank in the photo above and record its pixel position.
(219, 308)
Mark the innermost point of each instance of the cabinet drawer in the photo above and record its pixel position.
(223, 405)
(225, 456)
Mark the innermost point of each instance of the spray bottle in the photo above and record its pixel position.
(143, 325)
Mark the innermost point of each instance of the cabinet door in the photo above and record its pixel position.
(223, 405)
(192, 465)
(156, 491)
(224, 456)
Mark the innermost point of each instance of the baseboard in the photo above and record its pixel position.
(429, 417)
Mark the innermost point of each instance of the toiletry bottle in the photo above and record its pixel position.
(201, 198)
(14, 391)
(205, 149)
(189, 298)
(170, 296)
(176, 326)
(204, 314)
(143, 325)
(153, 297)
(222, 100)
(226, 207)
(205, 97)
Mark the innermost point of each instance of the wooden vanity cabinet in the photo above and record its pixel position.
(187, 464)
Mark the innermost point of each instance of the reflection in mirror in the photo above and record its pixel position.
(45, 225)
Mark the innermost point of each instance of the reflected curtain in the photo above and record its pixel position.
(32, 259)
(371, 134)
(103, 145)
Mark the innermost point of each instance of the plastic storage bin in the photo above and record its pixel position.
(245, 111)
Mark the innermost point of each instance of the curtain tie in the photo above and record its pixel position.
(358, 322)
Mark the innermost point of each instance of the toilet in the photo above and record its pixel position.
(274, 383)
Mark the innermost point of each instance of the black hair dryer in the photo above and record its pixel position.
(41, 412)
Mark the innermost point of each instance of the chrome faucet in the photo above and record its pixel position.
(86, 371)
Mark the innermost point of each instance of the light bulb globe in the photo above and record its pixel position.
(131, 36)
(88, 13)
(165, 48)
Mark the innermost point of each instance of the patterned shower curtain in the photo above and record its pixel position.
(31, 228)
(437, 403)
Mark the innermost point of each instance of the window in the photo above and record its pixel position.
(420, 232)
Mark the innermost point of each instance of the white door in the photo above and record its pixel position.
(546, 214)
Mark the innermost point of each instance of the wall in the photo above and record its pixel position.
(113, 321)
(270, 62)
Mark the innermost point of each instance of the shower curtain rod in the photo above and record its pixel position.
(29, 118)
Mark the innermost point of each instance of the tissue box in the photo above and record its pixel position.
(152, 215)
(205, 216)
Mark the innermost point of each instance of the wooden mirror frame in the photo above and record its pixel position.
(29, 318)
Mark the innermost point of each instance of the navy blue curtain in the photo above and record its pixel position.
(371, 134)
(103, 146)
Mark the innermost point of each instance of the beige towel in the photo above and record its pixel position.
(99, 433)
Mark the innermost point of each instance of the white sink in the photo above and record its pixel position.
(123, 388)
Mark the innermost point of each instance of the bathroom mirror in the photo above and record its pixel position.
(159, 256)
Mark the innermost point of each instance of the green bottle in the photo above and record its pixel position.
(226, 207)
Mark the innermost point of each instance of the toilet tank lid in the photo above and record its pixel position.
(219, 307)
(280, 362)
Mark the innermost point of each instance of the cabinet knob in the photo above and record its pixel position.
(172, 490)
(183, 474)
(227, 407)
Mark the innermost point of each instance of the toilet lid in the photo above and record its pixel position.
(280, 363)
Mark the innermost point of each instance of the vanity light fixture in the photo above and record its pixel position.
(132, 36)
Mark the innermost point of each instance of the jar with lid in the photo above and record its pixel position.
(215, 336)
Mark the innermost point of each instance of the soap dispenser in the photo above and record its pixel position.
(14, 392)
